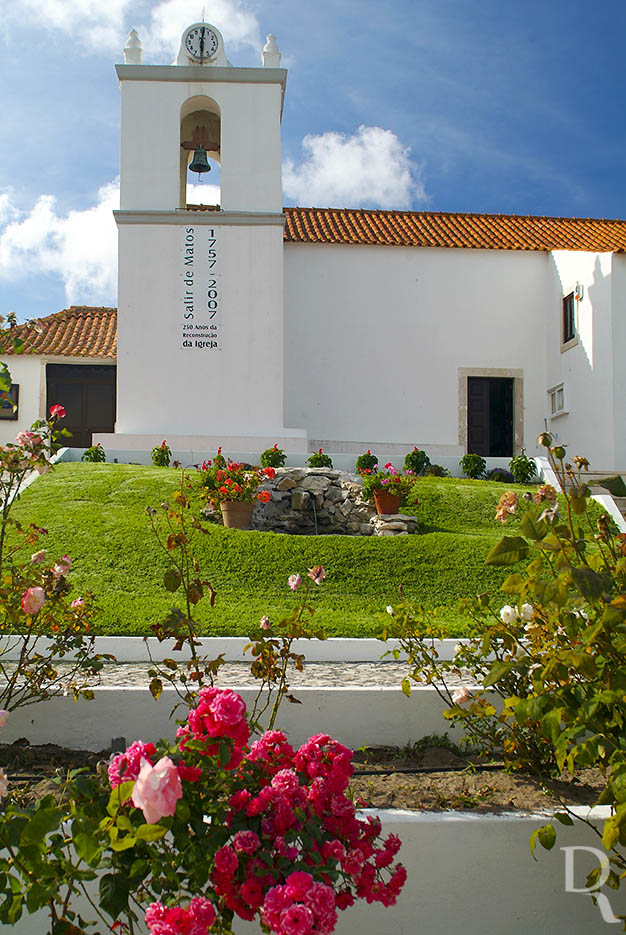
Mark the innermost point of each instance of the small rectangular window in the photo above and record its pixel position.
(557, 399)
(569, 318)
(9, 407)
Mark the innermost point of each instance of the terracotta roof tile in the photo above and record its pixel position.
(438, 229)
(78, 331)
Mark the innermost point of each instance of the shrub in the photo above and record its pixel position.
(500, 474)
(473, 465)
(161, 455)
(436, 470)
(366, 463)
(552, 658)
(523, 468)
(319, 459)
(235, 481)
(196, 831)
(273, 457)
(388, 481)
(96, 454)
(416, 461)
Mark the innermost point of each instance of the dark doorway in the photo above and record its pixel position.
(88, 395)
(490, 416)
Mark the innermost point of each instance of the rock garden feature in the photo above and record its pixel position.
(313, 501)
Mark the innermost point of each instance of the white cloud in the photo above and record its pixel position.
(94, 24)
(370, 168)
(203, 194)
(79, 247)
(238, 25)
(104, 25)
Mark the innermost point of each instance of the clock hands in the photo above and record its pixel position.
(202, 42)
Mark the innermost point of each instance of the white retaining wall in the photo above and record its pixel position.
(469, 874)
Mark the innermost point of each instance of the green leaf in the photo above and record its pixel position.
(508, 551)
(86, 846)
(615, 485)
(588, 582)
(149, 832)
(406, 687)
(172, 579)
(610, 834)
(119, 795)
(156, 688)
(533, 528)
(114, 894)
(42, 823)
(563, 818)
(551, 724)
(497, 671)
(547, 836)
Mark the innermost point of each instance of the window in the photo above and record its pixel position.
(569, 318)
(557, 400)
(9, 407)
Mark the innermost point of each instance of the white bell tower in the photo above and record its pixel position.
(200, 302)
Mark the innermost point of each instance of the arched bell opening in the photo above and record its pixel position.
(200, 147)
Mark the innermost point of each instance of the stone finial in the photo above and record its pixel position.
(271, 53)
(132, 50)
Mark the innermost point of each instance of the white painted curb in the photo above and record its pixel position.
(335, 649)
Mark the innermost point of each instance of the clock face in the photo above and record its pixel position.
(201, 43)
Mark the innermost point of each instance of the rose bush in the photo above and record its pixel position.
(544, 686)
(191, 834)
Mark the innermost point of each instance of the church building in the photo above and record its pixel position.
(245, 324)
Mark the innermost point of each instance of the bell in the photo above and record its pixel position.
(199, 163)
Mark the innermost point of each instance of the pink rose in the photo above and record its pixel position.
(461, 695)
(4, 715)
(265, 623)
(317, 574)
(294, 582)
(62, 566)
(157, 790)
(246, 842)
(228, 708)
(33, 600)
(38, 557)
(57, 412)
(4, 783)
(79, 602)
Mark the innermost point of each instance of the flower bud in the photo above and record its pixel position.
(544, 440)
(558, 452)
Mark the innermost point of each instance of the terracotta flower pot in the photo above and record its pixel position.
(386, 502)
(236, 513)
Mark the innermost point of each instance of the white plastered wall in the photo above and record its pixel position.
(586, 366)
(29, 371)
(250, 134)
(618, 310)
(375, 338)
(164, 388)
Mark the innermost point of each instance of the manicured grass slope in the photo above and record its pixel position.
(96, 514)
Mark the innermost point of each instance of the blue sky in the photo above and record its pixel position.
(440, 105)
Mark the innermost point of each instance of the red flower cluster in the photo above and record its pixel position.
(196, 919)
(219, 713)
(303, 787)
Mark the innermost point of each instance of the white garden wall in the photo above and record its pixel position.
(467, 873)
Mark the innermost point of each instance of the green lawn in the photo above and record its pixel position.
(96, 514)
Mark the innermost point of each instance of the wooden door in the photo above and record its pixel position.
(88, 395)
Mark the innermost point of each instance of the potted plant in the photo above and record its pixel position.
(387, 488)
(235, 488)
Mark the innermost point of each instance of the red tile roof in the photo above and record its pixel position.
(78, 331)
(82, 331)
(438, 229)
